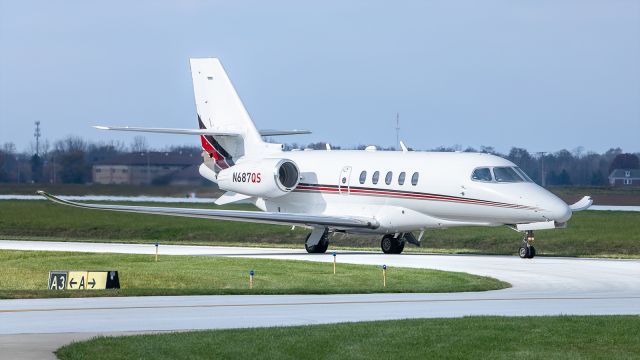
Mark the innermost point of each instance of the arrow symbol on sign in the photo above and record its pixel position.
(92, 283)
(72, 282)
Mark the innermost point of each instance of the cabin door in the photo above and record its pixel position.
(344, 180)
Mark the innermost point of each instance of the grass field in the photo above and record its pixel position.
(565, 337)
(600, 195)
(24, 275)
(590, 233)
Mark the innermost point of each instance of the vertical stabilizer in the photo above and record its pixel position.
(219, 108)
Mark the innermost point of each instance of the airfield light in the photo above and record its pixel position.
(157, 245)
(334, 263)
(384, 275)
(251, 272)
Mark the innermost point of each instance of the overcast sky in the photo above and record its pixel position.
(543, 75)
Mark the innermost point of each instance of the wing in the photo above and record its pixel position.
(234, 215)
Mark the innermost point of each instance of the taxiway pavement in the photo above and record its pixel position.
(540, 286)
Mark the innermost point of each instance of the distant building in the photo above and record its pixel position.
(189, 176)
(625, 178)
(144, 168)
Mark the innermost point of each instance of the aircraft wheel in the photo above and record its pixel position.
(400, 247)
(319, 248)
(390, 245)
(532, 252)
(524, 252)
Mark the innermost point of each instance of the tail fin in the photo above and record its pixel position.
(220, 109)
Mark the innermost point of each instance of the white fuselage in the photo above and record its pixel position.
(445, 195)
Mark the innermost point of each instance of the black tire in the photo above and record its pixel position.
(390, 245)
(400, 247)
(532, 252)
(319, 248)
(524, 252)
(387, 244)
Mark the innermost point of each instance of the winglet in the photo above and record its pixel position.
(45, 194)
(60, 201)
(582, 204)
(48, 196)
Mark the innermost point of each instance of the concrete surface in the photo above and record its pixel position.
(541, 286)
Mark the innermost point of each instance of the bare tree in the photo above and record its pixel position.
(70, 154)
(9, 148)
(139, 144)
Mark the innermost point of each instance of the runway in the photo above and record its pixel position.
(541, 286)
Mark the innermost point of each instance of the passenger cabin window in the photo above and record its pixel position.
(363, 177)
(414, 179)
(388, 178)
(401, 178)
(481, 174)
(376, 176)
(506, 174)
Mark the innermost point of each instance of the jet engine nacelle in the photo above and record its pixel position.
(267, 178)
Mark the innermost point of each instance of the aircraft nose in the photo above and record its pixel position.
(558, 210)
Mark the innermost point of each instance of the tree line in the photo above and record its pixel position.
(70, 160)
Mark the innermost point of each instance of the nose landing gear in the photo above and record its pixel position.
(527, 251)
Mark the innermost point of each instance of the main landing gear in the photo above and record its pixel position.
(527, 251)
(320, 246)
(391, 244)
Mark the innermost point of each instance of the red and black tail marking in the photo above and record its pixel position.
(223, 159)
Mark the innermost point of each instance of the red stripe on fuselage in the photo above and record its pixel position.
(409, 195)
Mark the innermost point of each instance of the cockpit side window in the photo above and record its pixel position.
(506, 174)
(482, 174)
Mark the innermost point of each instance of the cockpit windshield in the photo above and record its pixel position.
(501, 174)
(523, 174)
(506, 174)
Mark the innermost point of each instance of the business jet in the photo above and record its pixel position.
(388, 193)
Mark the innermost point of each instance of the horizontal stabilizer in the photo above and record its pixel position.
(270, 132)
(200, 131)
(582, 204)
(171, 131)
